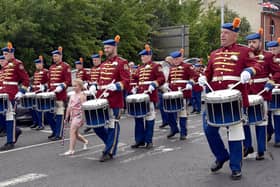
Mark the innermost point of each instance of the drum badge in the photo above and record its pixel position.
(147, 66)
(261, 57)
(115, 63)
(234, 57)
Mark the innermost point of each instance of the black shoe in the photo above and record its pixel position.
(170, 135)
(149, 145)
(51, 136)
(163, 125)
(105, 157)
(192, 112)
(217, 165)
(183, 137)
(3, 134)
(55, 138)
(248, 151)
(260, 156)
(33, 126)
(137, 145)
(236, 175)
(86, 131)
(269, 136)
(7, 146)
(197, 112)
(17, 135)
(277, 144)
(40, 128)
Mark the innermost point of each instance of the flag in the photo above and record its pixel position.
(269, 5)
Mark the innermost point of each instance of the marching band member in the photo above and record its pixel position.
(258, 83)
(181, 76)
(3, 61)
(227, 65)
(14, 73)
(40, 84)
(149, 77)
(59, 80)
(274, 47)
(114, 78)
(94, 75)
(197, 90)
(82, 73)
(164, 115)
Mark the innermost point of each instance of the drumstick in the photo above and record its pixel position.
(236, 84)
(261, 92)
(105, 90)
(207, 84)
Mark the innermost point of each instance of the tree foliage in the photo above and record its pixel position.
(37, 27)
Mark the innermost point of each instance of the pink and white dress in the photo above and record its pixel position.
(75, 104)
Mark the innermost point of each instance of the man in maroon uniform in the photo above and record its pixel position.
(59, 80)
(82, 73)
(14, 73)
(181, 76)
(114, 78)
(227, 65)
(258, 83)
(149, 77)
(40, 84)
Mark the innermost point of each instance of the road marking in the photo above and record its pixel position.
(156, 151)
(37, 145)
(22, 179)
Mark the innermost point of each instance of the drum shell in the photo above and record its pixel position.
(4, 98)
(274, 104)
(138, 105)
(224, 111)
(45, 102)
(28, 100)
(255, 110)
(173, 101)
(95, 114)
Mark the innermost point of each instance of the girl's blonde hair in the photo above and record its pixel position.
(79, 82)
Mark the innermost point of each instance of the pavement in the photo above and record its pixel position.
(172, 162)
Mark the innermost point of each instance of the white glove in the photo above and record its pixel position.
(188, 86)
(19, 95)
(134, 90)
(111, 87)
(151, 88)
(93, 89)
(245, 77)
(58, 89)
(29, 89)
(85, 85)
(202, 80)
(42, 88)
(165, 87)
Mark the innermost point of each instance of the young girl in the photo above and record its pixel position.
(74, 112)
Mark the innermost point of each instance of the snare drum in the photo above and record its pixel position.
(96, 112)
(4, 98)
(45, 101)
(28, 100)
(224, 107)
(173, 101)
(256, 109)
(274, 104)
(138, 105)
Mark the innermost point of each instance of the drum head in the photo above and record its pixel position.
(70, 93)
(94, 104)
(221, 96)
(30, 94)
(175, 94)
(4, 95)
(137, 98)
(255, 99)
(46, 95)
(276, 91)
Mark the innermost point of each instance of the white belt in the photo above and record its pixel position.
(260, 80)
(179, 81)
(145, 83)
(226, 78)
(56, 84)
(10, 83)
